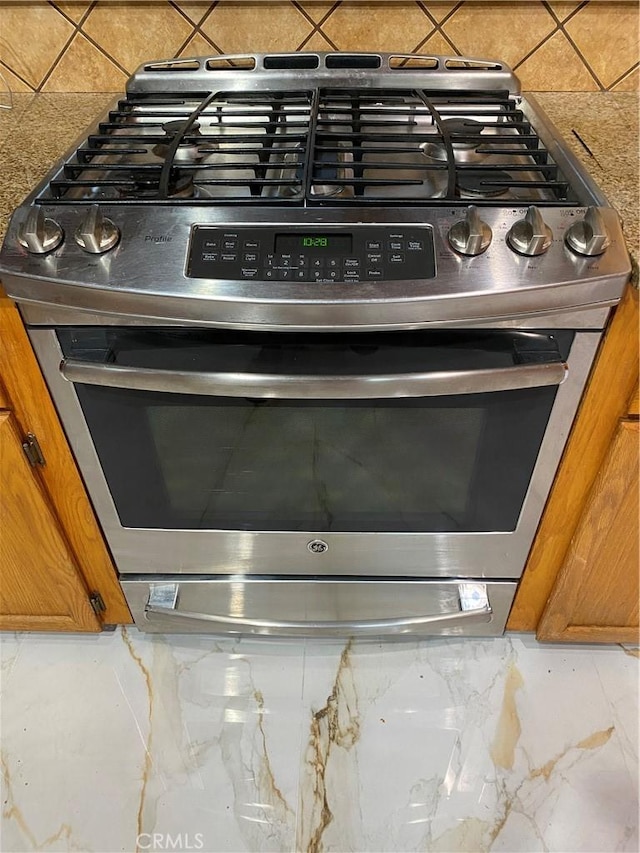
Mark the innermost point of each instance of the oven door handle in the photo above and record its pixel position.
(474, 608)
(286, 387)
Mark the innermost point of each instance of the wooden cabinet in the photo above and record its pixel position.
(53, 555)
(40, 587)
(596, 595)
(581, 580)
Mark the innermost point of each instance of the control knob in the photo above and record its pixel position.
(531, 235)
(38, 234)
(471, 235)
(588, 236)
(96, 234)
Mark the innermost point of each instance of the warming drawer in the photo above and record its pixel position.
(315, 607)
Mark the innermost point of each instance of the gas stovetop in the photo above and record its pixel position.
(219, 185)
(312, 146)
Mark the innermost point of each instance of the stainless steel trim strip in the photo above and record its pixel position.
(274, 386)
(57, 315)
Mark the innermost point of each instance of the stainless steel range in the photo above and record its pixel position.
(317, 326)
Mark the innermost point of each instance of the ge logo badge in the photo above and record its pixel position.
(317, 546)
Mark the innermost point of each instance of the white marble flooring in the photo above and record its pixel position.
(127, 742)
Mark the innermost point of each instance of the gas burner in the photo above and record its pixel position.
(146, 185)
(478, 183)
(466, 137)
(188, 151)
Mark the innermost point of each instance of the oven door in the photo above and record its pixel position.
(391, 454)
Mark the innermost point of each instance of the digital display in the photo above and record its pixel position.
(298, 243)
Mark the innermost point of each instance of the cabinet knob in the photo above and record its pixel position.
(588, 236)
(531, 235)
(471, 235)
(38, 234)
(96, 234)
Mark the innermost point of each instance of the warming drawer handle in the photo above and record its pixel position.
(285, 387)
(474, 608)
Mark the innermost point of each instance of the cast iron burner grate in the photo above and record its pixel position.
(321, 146)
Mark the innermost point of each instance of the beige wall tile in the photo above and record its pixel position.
(317, 9)
(439, 8)
(31, 37)
(256, 27)
(133, 33)
(437, 45)
(84, 69)
(14, 83)
(506, 31)
(630, 83)
(607, 36)
(198, 46)
(75, 9)
(371, 26)
(562, 8)
(194, 10)
(317, 42)
(556, 67)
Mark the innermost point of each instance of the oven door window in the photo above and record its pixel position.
(456, 462)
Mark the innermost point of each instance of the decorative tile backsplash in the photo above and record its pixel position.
(94, 45)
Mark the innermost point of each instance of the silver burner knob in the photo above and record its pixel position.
(531, 235)
(589, 235)
(96, 234)
(471, 235)
(38, 234)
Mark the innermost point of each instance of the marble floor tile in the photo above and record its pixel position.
(132, 742)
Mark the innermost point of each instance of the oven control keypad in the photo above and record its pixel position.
(311, 256)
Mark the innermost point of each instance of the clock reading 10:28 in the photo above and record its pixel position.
(334, 244)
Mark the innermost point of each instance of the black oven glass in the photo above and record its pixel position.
(433, 464)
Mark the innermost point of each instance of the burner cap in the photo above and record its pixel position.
(469, 129)
(147, 183)
(465, 135)
(171, 128)
(188, 150)
(478, 182)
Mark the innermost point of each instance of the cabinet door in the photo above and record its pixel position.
(595, 598)
(40, 588)
(614, 378)
(34, 412)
